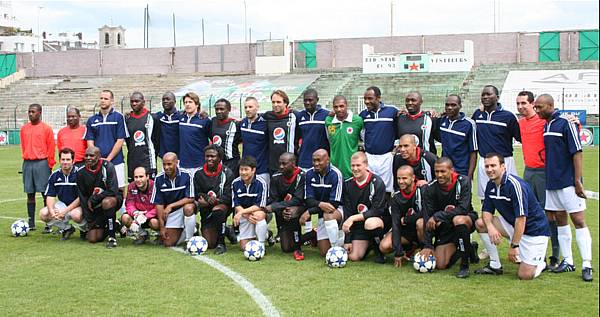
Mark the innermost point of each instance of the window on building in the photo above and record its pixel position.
(106, 39)
(1, 46)
(119, 39)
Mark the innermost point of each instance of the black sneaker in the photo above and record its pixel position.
(47, 230)
(66, 234)
(473, 257)
(586, 274)
(270, 238)
(379, 257)
(221, 248)
(564, 267)
(489, 270)
(463, 272)
(111, 243)
(141, 239)
(121, 229)
(82, 235)
(553, 263)
(231, 236)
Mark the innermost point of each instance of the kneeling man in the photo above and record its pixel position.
(140, 213)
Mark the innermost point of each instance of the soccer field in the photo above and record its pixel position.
(40, 275)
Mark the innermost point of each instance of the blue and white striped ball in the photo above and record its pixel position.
(197, 245)
(336, 257)
(19, 228)
(254, 250)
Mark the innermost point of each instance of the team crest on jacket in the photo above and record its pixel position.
(362, 208)
(279, 135)
(138, 138)
(211, 194)
(349, 130)
(410, 212)
(288, 197)
(331, 129)
(217, 140)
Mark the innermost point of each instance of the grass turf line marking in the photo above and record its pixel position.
(263, 302)
(11, 200)
(592, 195)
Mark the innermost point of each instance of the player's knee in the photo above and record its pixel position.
(153, 223)
(44, 214)
(189, 209)
(260, 215)
(354, 257)
(126, 219)
(480, 225)
(373, 223)
(108, 203)
(526, 274)
(578, 220)
(77, 215)
(461, 220)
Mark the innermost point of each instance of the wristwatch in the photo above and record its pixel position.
(514, 246)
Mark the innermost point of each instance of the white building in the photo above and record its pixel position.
(12, 37)
(111, 37)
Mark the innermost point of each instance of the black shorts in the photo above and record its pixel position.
(286, 225)
(212, 219)
(358, 231)
(97, 219)
(445, 233)
(410, 233)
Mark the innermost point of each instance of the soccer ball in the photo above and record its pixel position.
(336, 257)
(254, 250)
(19, 228)
(197, 245)
(424, 265)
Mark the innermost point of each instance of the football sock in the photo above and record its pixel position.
(539, 269)
(492, 251)
(261, 229)
(31, 213)
(44, 199)
(554, 239)
(110, 220)
(584, 242)
(331, 226)
(221, 237)
(189, 226)
(307, 226)
(308, 236)
(297, 244)
(464, 243)
(565, 238)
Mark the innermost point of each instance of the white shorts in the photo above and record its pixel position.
(482, 178)
(266, 178)
(59, 205)
(321, 231)
(191, 170)
(120, 169)
(564, 199)
(175, 219)
(247, 230)
(532, 249)
(382, 166)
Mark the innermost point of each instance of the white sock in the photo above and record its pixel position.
(308, 227)
(584, 242)
(331, 226)
(189, 226)
(261, 229)
(564, 240)
(539, 269)
(492, 251)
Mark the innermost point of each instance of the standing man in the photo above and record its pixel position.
(212, 194)
(379, 135)
(107, 131)
(169, 125)
(286, 200)
(417, 122)
(225, 133)
(449, 217)
(173, 190)
(323, 196)
(140, 212)
(311, 129)
(37, 150)
(496, 129)
(72, 136)
(343, 132)
(194, 132)
(281, 128)
(255, 139)
(143, 131)
(521, 220)
(62, 202)
(458, 134)
(366, 215)
(564, 185)
(420, 160)
(99, 196)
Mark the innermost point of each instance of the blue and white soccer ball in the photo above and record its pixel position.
(19, 228)
(197, 245)
(254, 250)
(424, 265)
(336, 257)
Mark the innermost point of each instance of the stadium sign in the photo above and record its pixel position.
(580, 114)
(453, 62)
(379, 63)
(586, 136)
(3, 138)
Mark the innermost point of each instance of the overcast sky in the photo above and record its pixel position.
(301, 20)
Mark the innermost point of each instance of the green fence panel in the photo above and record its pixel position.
(549, 47)
(588, 45)
(8, 64)
(310, 50)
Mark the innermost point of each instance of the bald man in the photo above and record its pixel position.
(99, 196)
(420, 160)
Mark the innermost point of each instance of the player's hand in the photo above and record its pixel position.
(495, 235)
(347, 224)
(421, 182)
(434, 114)
(268, 209)
(348, 247)
(294, 211)
(60, 214)
(399, 259)
(252, 218)
(89, 204)
(286, 213)
(431, 224)
(168, 210)
(304, 218)
(579, 189)
(236, 219)
(163, 234)
(572, 119)
(203, 203)
(212, 200)
(327, 207)
(426, 253)
(513, 255)
(219, 208)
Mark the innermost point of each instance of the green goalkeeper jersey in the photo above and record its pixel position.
(343, 139)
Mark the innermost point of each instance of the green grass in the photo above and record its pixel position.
(40, 275)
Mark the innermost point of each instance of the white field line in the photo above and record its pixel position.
(11, 200)
(592, 195)
(263, 302)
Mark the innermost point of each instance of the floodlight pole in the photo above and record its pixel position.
(38, 29)
(245, 23)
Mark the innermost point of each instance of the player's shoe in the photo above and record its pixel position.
(221, 248)
(463, 272)
(82, 235)
(47, 230)
(141, 238)
(231, 236)
(121, 229)
(586, 274)
(489, 270)
(483, 254)
(298, 255)
(473, 257)
(379, 256)
(66, 234)
(564, 267)
(270, 238)
(111, 243)
(553, 263)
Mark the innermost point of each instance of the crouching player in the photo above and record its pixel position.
(366, 214)
(249, 198)
(173, 189)
(212, 194)
(140, 213)
(522, 221)
(61, 198)
(449, 217)
(286, 198)
(99, 196)
(407, 217)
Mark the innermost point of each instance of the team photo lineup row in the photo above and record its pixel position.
(395, 196)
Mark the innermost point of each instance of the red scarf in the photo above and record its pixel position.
(367, 180)
(412, 192)
(209, 174)
(95, 171)
(285, 113)
(449, 187)
(137, 116)
(219, 122)
(416, 161)
(293, 178)
(415, 116)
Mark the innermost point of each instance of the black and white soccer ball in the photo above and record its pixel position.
(336, 257)
(424, 265)
(19, 228)
(254, 250)
(196, 245)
